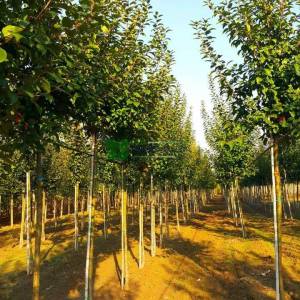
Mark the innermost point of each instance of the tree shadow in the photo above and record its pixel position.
(118, 269)
(202, 275)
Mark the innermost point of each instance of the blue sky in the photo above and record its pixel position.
(190, 70)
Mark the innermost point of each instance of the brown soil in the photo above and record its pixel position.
(208, 260)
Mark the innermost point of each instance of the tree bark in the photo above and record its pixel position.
(91, 215)
(22, 222)
(0, 208)
(177, 214)
(38, 230)
(11, 210)
(44, 216)
(28, 224)
(54, 212)
(82, 213)
(141, 236)
(124, 269)
(104, 212)
(161, 233)
(76, 215)
(62, 207)
(277, 205)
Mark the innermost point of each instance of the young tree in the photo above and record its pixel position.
(232, 149)
(265, 84)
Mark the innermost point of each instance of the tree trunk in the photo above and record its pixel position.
(161, 233)
(0, 208)
(38, 230)
(34, 209)
(44, 216)
(141, 237)
(11, 210)
(152, 219)
(240, 209)
(124, 269)
(62, 207)
(82, 213)
(54, 212)
(182, 206)
(28, 224)
(76, 215)
(22, 222)
(166, 212)
(277, 205)
(91, 215)
(104, 212)
(69, 206)
(177, 214)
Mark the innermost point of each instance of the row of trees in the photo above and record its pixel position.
(262, 89)
(74, 75)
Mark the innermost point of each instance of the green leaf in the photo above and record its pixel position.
(104, 29)
(297, 69)
(12, 31)
(41, 48)
(46, 86)
(30, 94)
(117, 68)
(248, 27)
(268, 72)
(259, 80)
(3, 55)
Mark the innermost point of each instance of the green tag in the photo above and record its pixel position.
(117, 150)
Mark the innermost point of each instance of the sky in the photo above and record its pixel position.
(189, 69)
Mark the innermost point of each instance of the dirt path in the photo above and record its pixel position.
(208, 260)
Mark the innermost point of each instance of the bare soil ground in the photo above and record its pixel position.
(208, 259)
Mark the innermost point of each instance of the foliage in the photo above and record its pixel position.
(265, 85)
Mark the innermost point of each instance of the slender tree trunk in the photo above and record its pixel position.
(11, 210)
(124, 269)
(286, 193)
(34, 208)
(76, 215)
(28, 224)
(44, 216)
(104, 212)
(69, 206)
(22, 221)
(166, 211)
(82, 213)
(62, 207)
(233, 204)
(90, 239)
(141, 237)
(161, 233)
(240, 209)
(38, 230)
(277, 204)
(153, 237)
(152, 219)
(0, 208)
(54, 212)
(182, 206)
(177, 214)
(227, 199)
